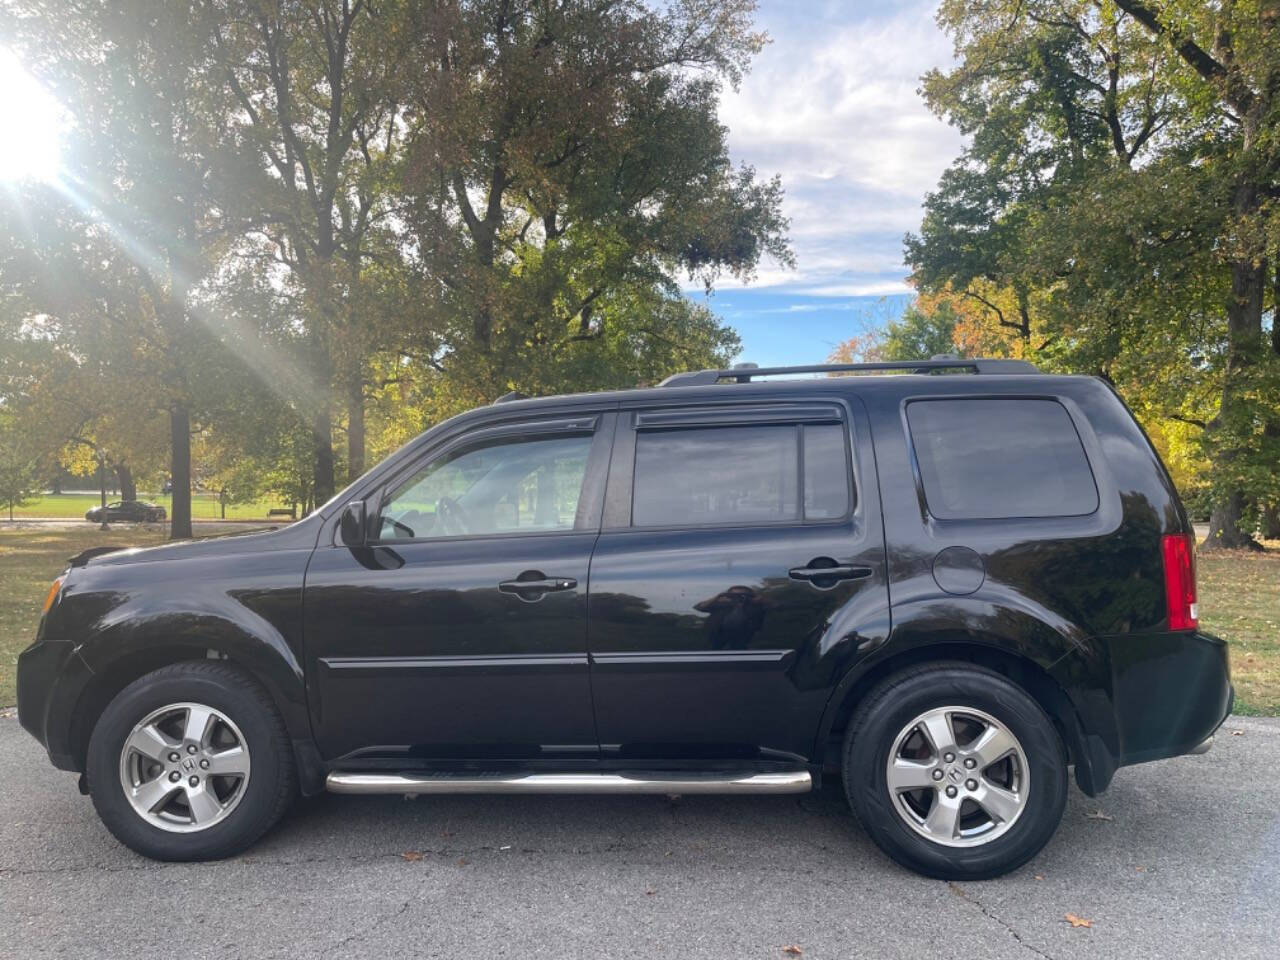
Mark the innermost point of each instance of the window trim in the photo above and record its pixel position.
(1104, 515)
(597, 426)
(620, 494)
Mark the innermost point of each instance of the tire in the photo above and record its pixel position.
(236, 809)
(1033, 771)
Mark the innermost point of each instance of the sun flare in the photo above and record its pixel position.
(31, 122)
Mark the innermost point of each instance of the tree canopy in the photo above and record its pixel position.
(1115, 212)
(289, 236)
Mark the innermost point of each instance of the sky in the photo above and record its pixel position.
(832, 106)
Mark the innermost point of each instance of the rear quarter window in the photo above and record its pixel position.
(986, 459)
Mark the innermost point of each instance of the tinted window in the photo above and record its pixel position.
(826, 472)
(1000, 458)
(501, 488)
(716, 475)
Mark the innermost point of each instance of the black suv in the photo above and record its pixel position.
(945, 585)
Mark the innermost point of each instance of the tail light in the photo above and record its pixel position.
(1180, 581)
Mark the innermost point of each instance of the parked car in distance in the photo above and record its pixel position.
(140, 511)
(943, 583)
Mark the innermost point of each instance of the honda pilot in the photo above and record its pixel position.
(943, 584)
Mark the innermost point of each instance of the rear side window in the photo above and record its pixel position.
(740, 475)
(826, 472)
(996, 458)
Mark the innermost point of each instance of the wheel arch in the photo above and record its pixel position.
(279, 675)
(1031, 676)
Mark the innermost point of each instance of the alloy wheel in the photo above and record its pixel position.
(957, 776)
(184, 767)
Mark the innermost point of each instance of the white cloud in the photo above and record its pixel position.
(832, 105)
(886, 289)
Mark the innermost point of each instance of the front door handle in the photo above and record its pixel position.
(825, 572)
(533, 585)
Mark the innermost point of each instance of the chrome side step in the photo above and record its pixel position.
(639, 782)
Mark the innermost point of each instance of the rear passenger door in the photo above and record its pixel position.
(738, 562)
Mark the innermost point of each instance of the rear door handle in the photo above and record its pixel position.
(822, 570)
(534, 584)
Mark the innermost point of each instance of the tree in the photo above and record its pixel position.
(318, 87)
(19, 462)
(564, 167)
(1110, 213)
(149, 169)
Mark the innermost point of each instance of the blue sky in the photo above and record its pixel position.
(831, 105)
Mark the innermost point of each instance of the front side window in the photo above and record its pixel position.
(1000, 458)
(512, 486)
(740, 475)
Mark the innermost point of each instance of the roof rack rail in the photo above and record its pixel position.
(744, 373)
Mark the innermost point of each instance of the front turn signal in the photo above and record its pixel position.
(52, 595)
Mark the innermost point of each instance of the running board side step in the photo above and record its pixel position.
(649, 782)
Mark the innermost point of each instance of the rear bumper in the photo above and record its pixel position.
(1150, 696)
(1171, 700)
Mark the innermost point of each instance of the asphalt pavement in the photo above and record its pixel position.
(1180, 858)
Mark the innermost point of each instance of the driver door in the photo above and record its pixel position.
(459, 631)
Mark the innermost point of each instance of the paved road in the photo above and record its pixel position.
(1188, 866)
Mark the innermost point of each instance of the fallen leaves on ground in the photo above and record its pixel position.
(1237, 733)
(412, 855)
(1098, 815)
(793, 949)
(1075, 921)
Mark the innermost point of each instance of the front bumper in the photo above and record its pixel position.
(50, 677)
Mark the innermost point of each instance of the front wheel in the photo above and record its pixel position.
(191, 762)
(954, 771)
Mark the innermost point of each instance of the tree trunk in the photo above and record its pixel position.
(124, 477)
(1244, 337)
(355, 426)
(322, 441)
(1271, 521)
(323, 484)
(180, 470)
(1271, 511)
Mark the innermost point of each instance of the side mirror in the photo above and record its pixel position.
(352, 524)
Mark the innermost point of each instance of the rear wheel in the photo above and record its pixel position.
(954, 771)
(191, 762)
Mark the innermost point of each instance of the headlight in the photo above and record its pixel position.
(52, 595)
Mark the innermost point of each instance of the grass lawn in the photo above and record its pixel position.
(29, 560)
(203, 506)
(1239, 600)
